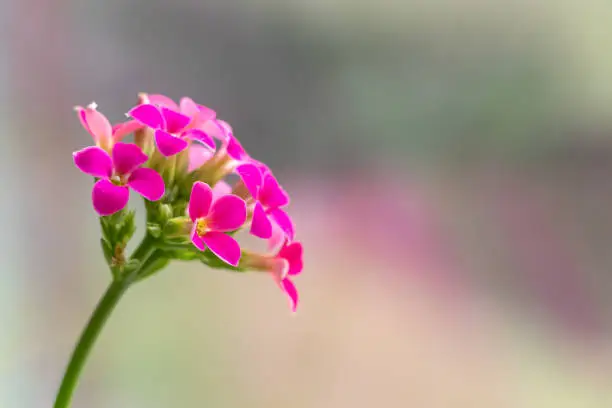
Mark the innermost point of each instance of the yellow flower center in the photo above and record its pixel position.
(201, 226)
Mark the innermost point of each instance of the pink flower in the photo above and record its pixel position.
(290, 257)
(96, 124)
(286, 264)
(212, 218)
(172, 128)
(268, 198)
(117, 172)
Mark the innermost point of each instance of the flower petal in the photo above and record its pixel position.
(198, 155)
(175, 121)
(197, 240)
(282, 219)
(235, 149)
(200, 136)
(149, 115)
(95, 123)
(108, 198)
(169, 145)
(290, 290)
(272, 194)
(224, 246)
(163, 100)
(220, 189)
(121, 130)
(127, 157)
(293, 254)
(93, 161)
(277, 240)
(215, 129)
(251, 177)
(260, 226)
(228, 213)
(148, 183)
(200, 200)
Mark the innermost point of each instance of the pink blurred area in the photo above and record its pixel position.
(449, 167)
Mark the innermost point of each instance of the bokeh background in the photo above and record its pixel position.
(450, 164)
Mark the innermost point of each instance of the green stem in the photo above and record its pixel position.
(96, 322)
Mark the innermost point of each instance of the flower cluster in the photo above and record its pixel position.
(180, 155)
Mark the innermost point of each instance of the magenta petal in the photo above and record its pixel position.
(224, 246)
(291, 291)
(127, 157)
(149, 115)
(169, 145)
(197, 240)
(93, 161)
(200, 136)
(271, 194)
(108, 198)
(200, 200)
(293, 254)
(235, 149)
(278, 238)
(148, 183)
(228, 213)
(175, 121)
(251, 177)
(214, 129)
(282, 219)
(260, 226)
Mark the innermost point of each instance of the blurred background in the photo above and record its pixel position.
(450, 165)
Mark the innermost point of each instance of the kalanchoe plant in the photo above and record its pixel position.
(178, 161)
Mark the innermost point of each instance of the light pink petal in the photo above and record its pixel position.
(93, 161)
(228, 213)
(224, 246)
(277, 239)
(95, 123)
(251, 177)
(260, 226)
(205, 114)
(163, 100)
(169, 145)
(200, 136)
(200, 200)
(220, 189)
(235, 149)
(271, 194)
(108, 198)
(127, 157)
(293, 254)
(278, 268)
(215, 129)
(148, 183)
(197, 240)
(291, 291)
(121, 130)
(282, 219)
(188, 106)
(149, 115)
(198, 155)
(175, 121)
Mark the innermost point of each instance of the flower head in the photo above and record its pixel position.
(268, 197)
(118, 172)
(212, 218)
(173, 125)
